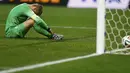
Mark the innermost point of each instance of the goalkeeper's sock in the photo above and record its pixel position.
(50, 31)
(42, 31)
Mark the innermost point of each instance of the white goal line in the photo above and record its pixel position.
(30, 67)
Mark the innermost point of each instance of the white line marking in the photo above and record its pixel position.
(70, 27)
(73, 27)
(47, 63)
(2, 68)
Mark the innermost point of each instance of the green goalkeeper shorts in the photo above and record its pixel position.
(18, 31)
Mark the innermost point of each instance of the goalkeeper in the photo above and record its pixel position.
(24, 16)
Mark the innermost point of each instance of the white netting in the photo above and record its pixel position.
(117, 26)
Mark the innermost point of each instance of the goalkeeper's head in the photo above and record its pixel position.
(37, 8)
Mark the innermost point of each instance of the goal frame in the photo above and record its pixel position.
(100, 36)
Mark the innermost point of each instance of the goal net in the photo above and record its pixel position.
(117, 25)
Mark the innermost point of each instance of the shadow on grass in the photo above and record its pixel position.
(46, 39)
(51, 40)
(39, 41)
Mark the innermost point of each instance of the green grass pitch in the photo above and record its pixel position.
(36, 48)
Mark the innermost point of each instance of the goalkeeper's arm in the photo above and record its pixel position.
(38, 21)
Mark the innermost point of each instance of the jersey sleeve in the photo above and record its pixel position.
(36, 18)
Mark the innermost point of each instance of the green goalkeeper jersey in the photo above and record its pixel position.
(21, 13)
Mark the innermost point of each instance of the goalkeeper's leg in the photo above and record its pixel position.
(47, 33)
(20, 30)
(42, 31)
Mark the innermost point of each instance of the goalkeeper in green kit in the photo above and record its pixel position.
(24, 16)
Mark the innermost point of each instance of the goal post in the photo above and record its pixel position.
(113, 23)
(100, 42)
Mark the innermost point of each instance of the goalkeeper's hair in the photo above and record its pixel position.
(39, 8)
